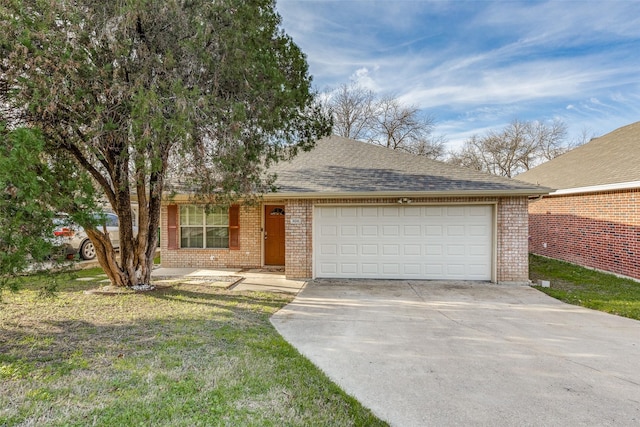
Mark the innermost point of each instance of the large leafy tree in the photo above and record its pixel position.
(134, 95)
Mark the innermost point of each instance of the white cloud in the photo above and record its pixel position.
(477, 65)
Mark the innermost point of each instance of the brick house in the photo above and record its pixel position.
(593, 218)
(349, 209)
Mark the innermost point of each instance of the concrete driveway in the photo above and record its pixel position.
(440, 353)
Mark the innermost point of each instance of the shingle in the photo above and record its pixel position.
(343, 166)
(610, 159)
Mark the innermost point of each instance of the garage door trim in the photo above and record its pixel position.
(493, 235)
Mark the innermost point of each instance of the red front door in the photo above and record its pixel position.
(274, 235)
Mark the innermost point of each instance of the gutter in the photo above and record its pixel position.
(416, 194)
(597, 188)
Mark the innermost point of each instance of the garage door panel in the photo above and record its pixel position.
(391, 230)
(391, 250)
(434, 250)
(349, 230)
(433, 211)
(410, 249)
(478, 230)
(434, 271)
(369, 212)
(418, 242)
(327, 269)
(348, 268)
(455, 230)
(369, 268)
(455, 211)
(478, 250)
(434, 230)
(369, 230)
(391, 211)
(328, 212)
(328, 230)
(369, 249)
(349, 212)
(348, 249)
(412, 231)
(412, 269)
(453, 250)
(412, 211)
(390, 268)
(328, 249)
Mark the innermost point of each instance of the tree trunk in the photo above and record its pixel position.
(134, 266)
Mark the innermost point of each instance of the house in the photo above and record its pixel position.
(348, 209)
(593, 218)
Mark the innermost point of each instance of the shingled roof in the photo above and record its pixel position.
(608, 160)
(344, 167)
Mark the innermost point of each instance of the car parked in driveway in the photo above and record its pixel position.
(75, 240)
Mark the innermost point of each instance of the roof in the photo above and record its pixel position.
(609, 160)
(339, 166)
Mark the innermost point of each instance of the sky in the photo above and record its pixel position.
(478, 65)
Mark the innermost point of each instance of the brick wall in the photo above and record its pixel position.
(298, 240)
(512, 245)
(249, 255)
(597, 230)
(511, 234)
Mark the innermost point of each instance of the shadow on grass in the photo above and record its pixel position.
(188, 355)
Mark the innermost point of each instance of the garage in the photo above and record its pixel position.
(448, 242)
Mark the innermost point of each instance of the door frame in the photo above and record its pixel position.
(264, 230)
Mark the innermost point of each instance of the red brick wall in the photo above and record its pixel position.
(249, 255)
(513, 228)
(597, 230)
(298, 240)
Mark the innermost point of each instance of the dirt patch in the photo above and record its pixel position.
(220, 282)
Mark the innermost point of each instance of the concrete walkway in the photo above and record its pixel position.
(463, 354)
(261, 280)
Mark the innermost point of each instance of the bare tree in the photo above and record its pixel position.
(359, 114)
(432, 147)
(353, 108)
(549, 138)
(516, 148)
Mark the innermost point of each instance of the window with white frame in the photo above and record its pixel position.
(204, 228)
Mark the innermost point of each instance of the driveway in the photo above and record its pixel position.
(424, 353)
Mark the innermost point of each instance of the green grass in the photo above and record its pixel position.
(588, 288)
(190, 355)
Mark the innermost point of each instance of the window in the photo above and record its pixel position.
(201, 228)
(111, 220)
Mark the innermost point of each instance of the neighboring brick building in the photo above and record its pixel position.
(593, 218)
(354, 210)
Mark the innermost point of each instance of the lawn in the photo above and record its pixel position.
(588, 288)
(183, 356)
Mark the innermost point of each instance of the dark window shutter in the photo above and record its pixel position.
(234, 227)
(172, 227)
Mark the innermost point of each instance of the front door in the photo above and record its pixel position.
(274, 235)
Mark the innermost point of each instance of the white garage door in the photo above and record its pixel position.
(403, 242)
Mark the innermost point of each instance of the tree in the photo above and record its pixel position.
(353, 109)
(516, 148)
(402, 127)
(121, 92)
(359, 114)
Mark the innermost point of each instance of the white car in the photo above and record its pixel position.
(75, 240)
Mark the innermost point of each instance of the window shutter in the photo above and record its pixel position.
(234, 227)
(172, 227)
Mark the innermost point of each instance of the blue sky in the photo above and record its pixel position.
(477, 65)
